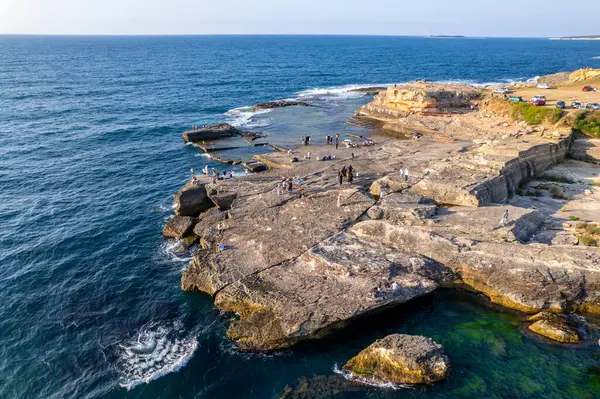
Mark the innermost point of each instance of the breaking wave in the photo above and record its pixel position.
(155, 351)
(366, 381)
(596, 58)
(245, 117)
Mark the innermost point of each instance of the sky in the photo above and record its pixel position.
(504, 18)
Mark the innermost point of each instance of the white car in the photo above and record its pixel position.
(594, 106)
(543, 86)
(501, 90)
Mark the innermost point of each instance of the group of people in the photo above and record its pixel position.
(346, 172)
(329, 139)
(216, 175)
(287, 184)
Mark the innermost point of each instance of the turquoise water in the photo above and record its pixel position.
(90, 155)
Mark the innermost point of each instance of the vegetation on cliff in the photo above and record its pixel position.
(588, 123)
(533, 115)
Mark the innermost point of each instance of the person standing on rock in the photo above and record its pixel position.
(339, 200)
(192, 171)
(406, 174)
(340, 177)
(504, 219)
(350, 176)
(337, 141)
(278, 189)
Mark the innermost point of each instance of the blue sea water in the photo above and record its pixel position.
(90, 155)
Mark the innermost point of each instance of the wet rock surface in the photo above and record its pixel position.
(281, 104)
(400, 359)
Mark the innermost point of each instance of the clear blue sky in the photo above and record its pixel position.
(371, 17)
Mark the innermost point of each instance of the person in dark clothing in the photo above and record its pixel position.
(340, 177)
(337, 142)
(290, 184)
(350, 176)
(344, 171)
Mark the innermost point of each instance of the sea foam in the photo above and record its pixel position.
(367, 381)
(156, 350)
(245, 117)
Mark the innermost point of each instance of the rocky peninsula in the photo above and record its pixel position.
(297, 265)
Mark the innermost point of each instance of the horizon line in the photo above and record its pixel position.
(433, 36)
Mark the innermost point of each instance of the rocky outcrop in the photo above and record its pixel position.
(400, 101)
(369, 90)
(179, 227)
(403, 208)
(400, 359)
(583, 74)
(210, 132)
(280, 104)
(340, 279)
(491, 174)
(192, 199)
(559, 328)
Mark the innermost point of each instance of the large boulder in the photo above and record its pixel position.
(400, 359)
(179, 227)
(403, 208)
(192, 199)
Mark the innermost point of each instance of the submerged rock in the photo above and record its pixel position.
(400, 359)
(560, 328)
(179, 226)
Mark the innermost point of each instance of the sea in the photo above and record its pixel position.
(91, 154)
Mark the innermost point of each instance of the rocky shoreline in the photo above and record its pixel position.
(295, 266)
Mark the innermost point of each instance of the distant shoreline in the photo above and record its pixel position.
(446, 37)
(591, 37)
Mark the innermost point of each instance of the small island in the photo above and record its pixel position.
(590, 37)
(446, 36)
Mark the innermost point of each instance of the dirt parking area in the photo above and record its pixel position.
(565, 93)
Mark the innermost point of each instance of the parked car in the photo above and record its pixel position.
(588, 88)
(576, 104)
(543, 86)
(539, 97)
(594, 106)
(516, 99)
(561, 104)
(538, 102)
(501, 90)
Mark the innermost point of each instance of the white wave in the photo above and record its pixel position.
(596, 58)
(533, 80)
(245, 117)
(154, 352)
(367, 381)
(340, 92)
(174, 251)
(202, 154)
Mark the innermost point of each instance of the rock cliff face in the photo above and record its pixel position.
(399, 101)
(400, 359)
(192, 199)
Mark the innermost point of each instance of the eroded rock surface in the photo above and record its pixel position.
(560, 328)
(400, 359)
(192, 199)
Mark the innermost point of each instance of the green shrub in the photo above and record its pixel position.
(533, 115)
(574, 218)
(587, 241)
(588, 123)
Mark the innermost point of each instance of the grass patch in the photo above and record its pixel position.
(588, 123)
(574, 218)
(593, 229)
(533, 115)
(587, 241)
